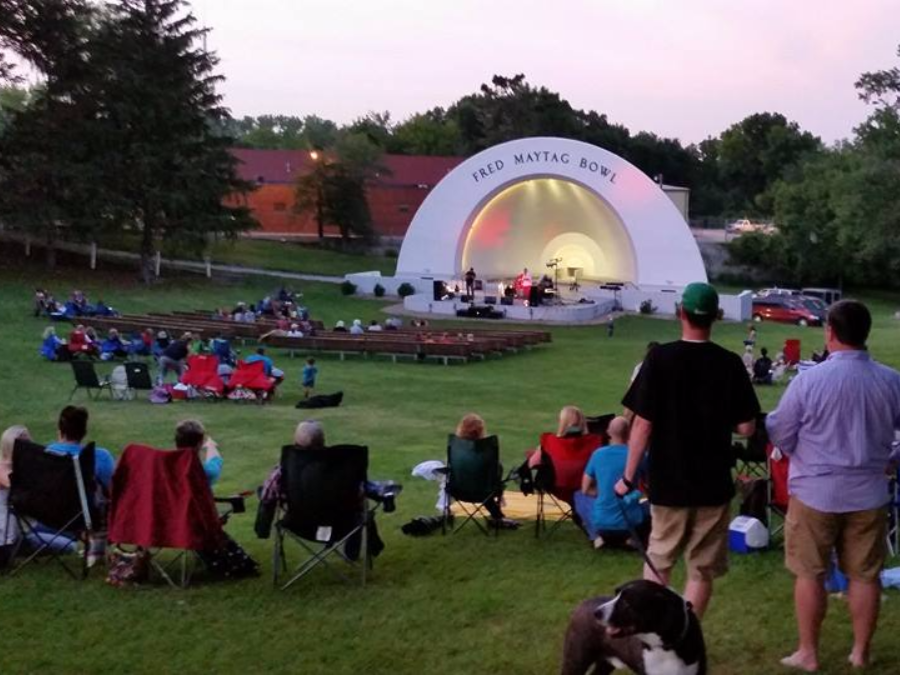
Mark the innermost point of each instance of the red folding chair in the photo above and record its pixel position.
(203, 374)
(792, 352)
(559, 475)
(252, 377)
(159, 500)
(778, 496)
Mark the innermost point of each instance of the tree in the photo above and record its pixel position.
(429, 133)
(167, 171)
(755, 153)
(13, 99)
(335, 190)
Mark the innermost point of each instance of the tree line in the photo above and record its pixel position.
(127, 133)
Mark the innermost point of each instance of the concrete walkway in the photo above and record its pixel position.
(184, 265)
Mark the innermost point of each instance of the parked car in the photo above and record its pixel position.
(786, 309)
(828, 295)
(744, 225)
(815, 305)
(775, 290)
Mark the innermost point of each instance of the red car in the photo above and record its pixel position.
(784, 308)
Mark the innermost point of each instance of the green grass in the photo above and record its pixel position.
(455, 605)
(292, 257)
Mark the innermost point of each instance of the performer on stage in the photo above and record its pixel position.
(470, 283)
(524, 283)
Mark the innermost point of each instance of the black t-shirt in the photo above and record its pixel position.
(762, 367)
(177, 350)
(694, 394)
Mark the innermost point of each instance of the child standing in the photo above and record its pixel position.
(309, 377)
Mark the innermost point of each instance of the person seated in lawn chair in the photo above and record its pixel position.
(268, 366)
(79, 344)
(309, 435)
(52, 347)
(141, 344)
(182, 515)
(471, 427)
(113, 347)
(600, 510)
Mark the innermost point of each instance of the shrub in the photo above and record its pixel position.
(390, 253)
(647, 307)
(348, 288)
(378, 291)
(405, 289)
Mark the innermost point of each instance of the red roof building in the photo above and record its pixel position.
(394, 196)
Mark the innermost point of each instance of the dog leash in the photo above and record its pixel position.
(639, 542)
(632, 530)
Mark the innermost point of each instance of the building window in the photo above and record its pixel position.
(279, 206)
(403, 208)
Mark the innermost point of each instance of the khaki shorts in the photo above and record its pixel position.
(700, 533)
(859, 538)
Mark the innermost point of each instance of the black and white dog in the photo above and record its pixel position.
(646, 627)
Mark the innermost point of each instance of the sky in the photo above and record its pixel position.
(681, 68)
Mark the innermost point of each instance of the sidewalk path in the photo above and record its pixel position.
(184, 265)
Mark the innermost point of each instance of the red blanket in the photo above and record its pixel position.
(161, 498)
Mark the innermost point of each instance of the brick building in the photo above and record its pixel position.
(393, 197)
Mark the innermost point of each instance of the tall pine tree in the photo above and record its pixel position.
(166, 168)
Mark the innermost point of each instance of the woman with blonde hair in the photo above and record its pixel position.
(9, 531)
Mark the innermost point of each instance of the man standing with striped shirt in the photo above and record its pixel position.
(836, 422)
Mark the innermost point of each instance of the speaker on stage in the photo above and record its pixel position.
(535, 296)
(479, 285)
(490, 299)
(506, 300)
(438, 290)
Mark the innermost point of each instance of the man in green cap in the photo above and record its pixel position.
(688, 398)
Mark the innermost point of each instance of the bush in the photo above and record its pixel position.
(405, 289)
(647, 307)
(390, 253)
(348, 288)
(378, 291)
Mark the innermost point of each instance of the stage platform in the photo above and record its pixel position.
(570, 313)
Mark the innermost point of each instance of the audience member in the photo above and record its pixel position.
(191, 434)
(161, 343)
(762, 368)
(310, 371)
(174, 356)
(268, 367)
(747, 359)
(9, 531)
(339, 327)
(113, 346)
(688, 399)
(72, 428)
(571, 422)
(79, 343)
(294, 331)
(471, 427)
(374, 326)
(837, 423)
(597, 504)
(53, 348)
(357, 328)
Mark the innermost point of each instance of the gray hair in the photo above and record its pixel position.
(309, 433)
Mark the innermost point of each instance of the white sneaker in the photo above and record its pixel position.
(599, 543)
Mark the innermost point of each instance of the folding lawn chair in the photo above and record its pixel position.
(137, 374)
(52, 496)
(252, 377)
(86, 378)
(750, 455)
(160, 499)
(559, 475)
(894, 508)
(778, 497)
(203, 374)
(473, 479)
(325, 510)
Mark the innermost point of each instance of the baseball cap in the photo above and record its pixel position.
(700, 298)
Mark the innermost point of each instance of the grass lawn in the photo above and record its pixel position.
(292, 257)
(455, 605)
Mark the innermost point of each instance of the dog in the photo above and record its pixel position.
(645, 627)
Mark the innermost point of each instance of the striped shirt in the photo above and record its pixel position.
(836, 421)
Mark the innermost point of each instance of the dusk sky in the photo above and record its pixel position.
(686, 69)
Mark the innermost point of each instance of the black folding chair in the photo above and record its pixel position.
(325, 510)
(473, 479)
(86, 378)
(750, 455)
(138, 377)
(57, 492)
